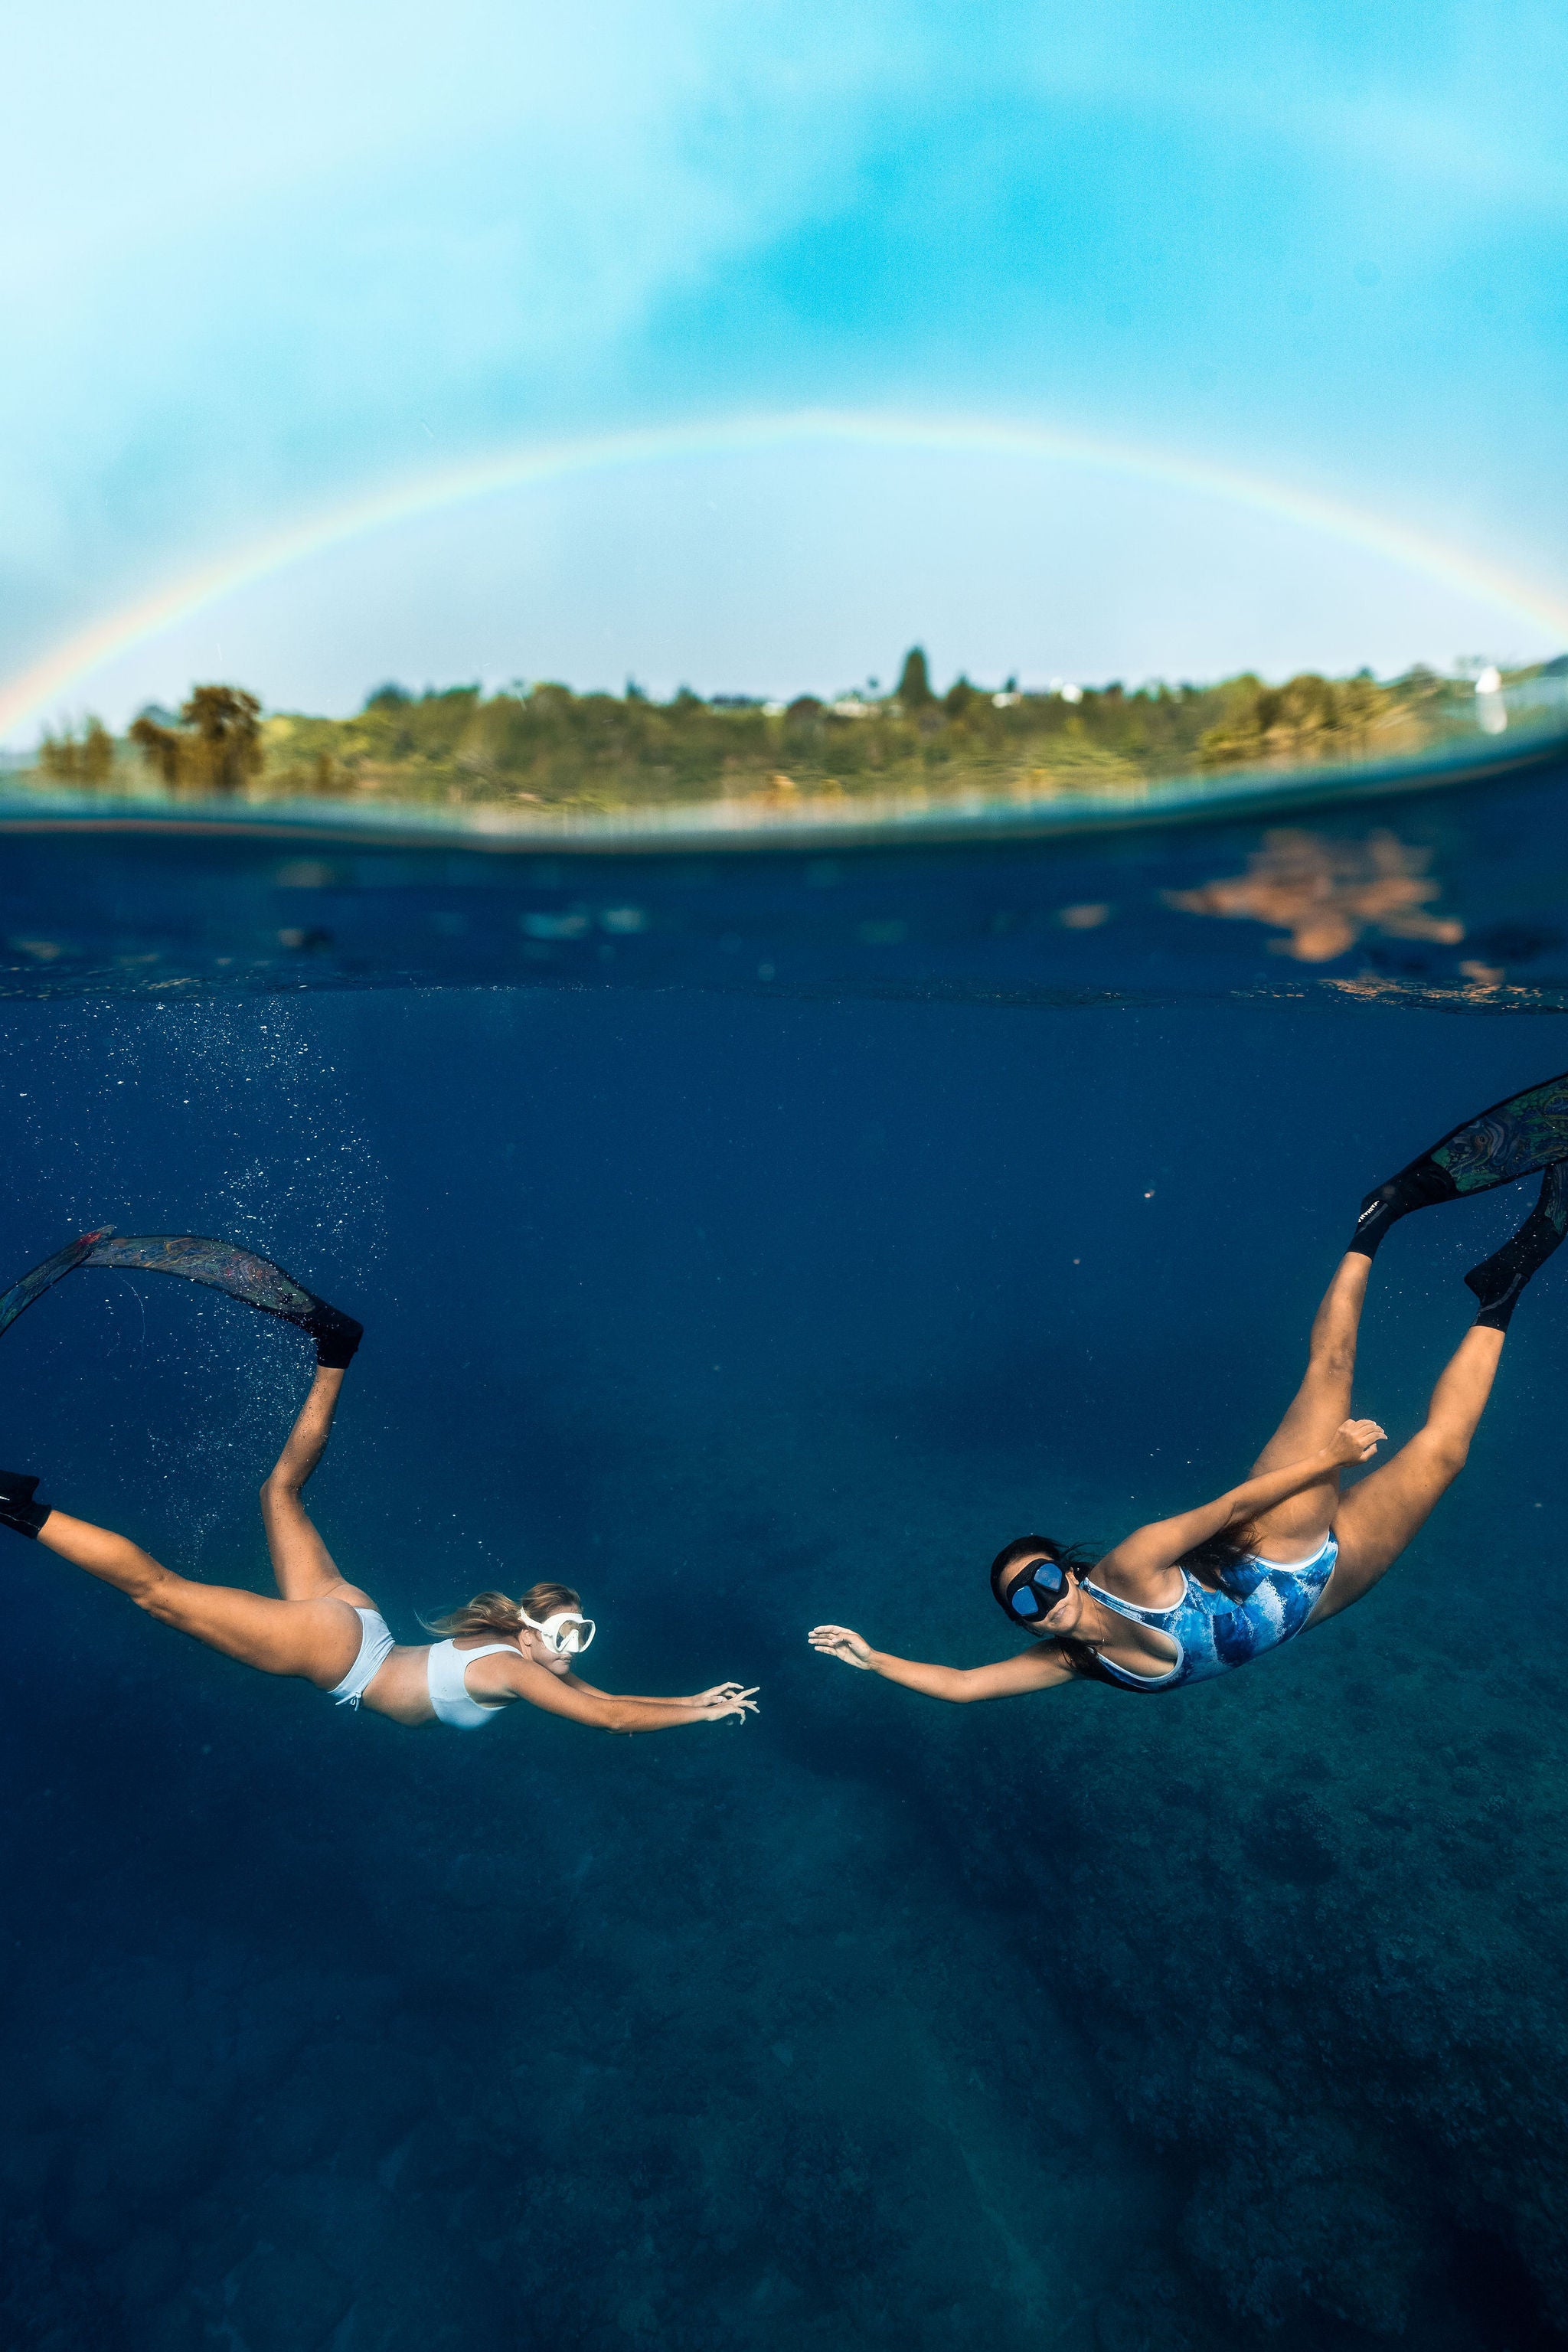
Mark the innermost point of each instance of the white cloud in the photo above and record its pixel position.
(251, 263)
(274, 265)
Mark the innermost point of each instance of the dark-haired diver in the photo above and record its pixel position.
(1193, 1596)
(323, 1629)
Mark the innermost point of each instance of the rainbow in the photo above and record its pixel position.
(64, 670)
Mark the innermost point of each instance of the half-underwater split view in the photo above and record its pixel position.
(783, 957)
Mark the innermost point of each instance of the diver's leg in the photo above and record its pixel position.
(1292, 1529)
(1379, 1517)
(303, 1566)
(317, 1640)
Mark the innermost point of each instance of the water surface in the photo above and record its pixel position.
(742, 1301)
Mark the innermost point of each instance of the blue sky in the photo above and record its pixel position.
(258, 265)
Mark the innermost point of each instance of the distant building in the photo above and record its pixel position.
(1543, 698)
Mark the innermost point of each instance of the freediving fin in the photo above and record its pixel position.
(1514, 1137)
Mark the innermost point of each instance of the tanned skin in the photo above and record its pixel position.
(1284, 1509)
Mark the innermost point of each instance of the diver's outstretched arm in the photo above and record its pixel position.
(1142, 1558)
(604, 1710)
(632, 1698)
(1031, 1670)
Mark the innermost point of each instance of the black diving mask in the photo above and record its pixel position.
(1043, 1584)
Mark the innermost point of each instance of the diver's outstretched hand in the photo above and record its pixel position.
(838, 1642)
(726, 1699)
(1356, 1441)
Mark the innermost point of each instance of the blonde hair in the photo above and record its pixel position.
(492, 1612)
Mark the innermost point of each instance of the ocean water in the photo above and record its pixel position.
(741, 1298)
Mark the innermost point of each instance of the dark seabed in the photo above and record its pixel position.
(1230, 2023)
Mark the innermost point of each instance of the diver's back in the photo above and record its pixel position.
(447, 1669)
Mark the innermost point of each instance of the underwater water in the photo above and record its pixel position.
(744, 1302)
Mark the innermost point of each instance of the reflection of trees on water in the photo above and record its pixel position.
(1324, 893)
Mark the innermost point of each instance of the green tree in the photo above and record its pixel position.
(225, 722)
(914, 681)
(215, 748)
(161, 747)
(87, 761)
(97, 754)
(803, 722)
(1307, 718)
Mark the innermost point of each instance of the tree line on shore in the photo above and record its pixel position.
(214, 746)
(545, 743)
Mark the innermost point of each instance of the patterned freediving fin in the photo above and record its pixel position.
(239, 1273)
(221, 1265)
(1519, 1137)
(1515, 1137)
(21, 1295)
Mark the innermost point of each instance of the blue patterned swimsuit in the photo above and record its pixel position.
(1215, 1631)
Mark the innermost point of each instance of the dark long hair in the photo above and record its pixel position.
(1215, 1562)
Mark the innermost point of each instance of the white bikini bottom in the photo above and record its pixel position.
(375, 1645)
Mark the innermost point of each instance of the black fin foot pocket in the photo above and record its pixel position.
(1422, 1186)
(337, 1335)
(17, 1508)
(1499, 1280)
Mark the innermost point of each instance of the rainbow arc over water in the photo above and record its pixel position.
(40, 687)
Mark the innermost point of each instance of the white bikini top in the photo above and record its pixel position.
(446, 1671)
